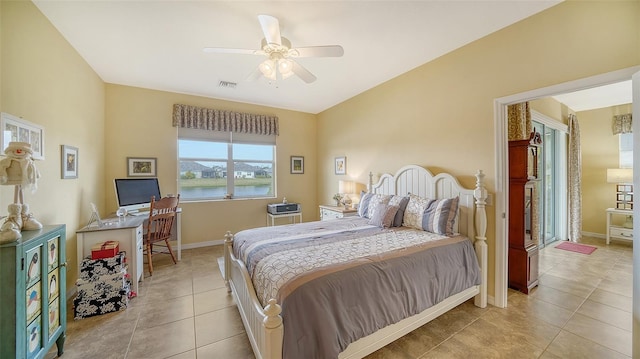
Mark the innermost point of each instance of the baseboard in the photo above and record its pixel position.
(596, 235)
(215, 242)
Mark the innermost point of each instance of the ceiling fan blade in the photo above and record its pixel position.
(303, 73)
(317, 51)
(223, 50)
(271, 29)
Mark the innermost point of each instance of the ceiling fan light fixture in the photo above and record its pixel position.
(268, 69)
(285, 66)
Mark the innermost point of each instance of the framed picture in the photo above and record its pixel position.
(15, 129)
(69, 162)
(297, 164)
(142, 166)
(341, 165)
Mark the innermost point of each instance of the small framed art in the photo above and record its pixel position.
(142, 167)
(341, 165)
(297, 164)
(68, 162)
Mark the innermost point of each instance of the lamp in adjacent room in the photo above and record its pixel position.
(623, 178)
(346, 188)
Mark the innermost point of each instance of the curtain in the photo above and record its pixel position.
(575, 181)
(201, 118)
(519, 121)
(621, 124)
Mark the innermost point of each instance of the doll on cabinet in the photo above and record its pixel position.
(18, 169)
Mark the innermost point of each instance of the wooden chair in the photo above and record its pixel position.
(162, 213)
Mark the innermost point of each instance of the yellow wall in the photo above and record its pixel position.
(600, 150)
(139, 125)
(46, 82)
(440, 115)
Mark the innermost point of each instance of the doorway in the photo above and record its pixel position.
(502, 193)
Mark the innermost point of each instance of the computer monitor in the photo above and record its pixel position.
(134, 194)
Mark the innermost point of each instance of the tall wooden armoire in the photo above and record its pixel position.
(523, 242)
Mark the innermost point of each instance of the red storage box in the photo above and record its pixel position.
(106, 249)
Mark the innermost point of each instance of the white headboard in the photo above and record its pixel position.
(419, 181)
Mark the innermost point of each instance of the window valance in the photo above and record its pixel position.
(201, 118)
(621, 124)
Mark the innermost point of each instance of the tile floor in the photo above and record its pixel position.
(581, 309)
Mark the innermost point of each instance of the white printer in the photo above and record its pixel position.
(282, 208)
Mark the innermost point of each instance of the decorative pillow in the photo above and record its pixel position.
(377, 200)
(431, 215)
(401, 202)
(440, 216)
(414, 211)
(383, 216)
(363, 208)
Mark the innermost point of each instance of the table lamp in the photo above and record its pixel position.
(346, 188)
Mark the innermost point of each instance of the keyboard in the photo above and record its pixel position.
(145, 213)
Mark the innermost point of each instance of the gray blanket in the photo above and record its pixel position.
(334, 301)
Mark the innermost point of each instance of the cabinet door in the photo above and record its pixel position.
(35, 274)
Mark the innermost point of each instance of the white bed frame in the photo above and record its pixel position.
(264, 325)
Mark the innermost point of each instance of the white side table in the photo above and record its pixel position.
(332, 212)
(292, 216)
(618, 231)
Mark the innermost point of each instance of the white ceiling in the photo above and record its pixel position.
(158, 44)
(598, 97)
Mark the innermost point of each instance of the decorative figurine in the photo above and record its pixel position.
(18, 169)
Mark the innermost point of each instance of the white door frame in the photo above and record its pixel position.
(501, 175)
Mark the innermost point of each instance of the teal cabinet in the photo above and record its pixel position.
(33, 275)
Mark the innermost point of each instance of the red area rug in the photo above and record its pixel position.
(576, 247)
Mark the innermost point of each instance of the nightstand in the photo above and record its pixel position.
(332, 212)
(618, 231)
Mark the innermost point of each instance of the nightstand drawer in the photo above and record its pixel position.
(333, 212)
(621, 232)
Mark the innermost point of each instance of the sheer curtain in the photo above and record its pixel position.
(575, 180)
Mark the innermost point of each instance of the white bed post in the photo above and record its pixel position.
(274, 331)
(480, 194)
(228, 243)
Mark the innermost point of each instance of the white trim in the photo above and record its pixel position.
(594, 235)
(500, 118)
(548, 121)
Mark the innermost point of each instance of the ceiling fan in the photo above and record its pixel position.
(280, 55)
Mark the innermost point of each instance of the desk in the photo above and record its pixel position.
(129, 233)
(272, 217)
(618, 231)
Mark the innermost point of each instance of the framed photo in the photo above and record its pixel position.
(142, 167)
(69, 162)
(15, 129)
(341, 165)
(297, 164)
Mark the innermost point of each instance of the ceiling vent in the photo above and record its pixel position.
(227, 84)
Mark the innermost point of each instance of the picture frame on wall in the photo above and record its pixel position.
(68, 162)
(15, 129)
(142, 167)
(341, 165)
(297, 164)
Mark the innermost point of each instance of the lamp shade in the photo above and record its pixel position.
(346, 187)
(620, 175)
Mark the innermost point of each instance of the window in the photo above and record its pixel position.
(626, 150)
(215, 165)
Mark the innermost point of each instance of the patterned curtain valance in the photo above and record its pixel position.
(519, 121)
(228, 121)
(621, 124)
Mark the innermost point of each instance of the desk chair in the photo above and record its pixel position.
(162, 213)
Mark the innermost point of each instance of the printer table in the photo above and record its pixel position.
(272, 217)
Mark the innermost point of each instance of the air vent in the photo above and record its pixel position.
(227, 84)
